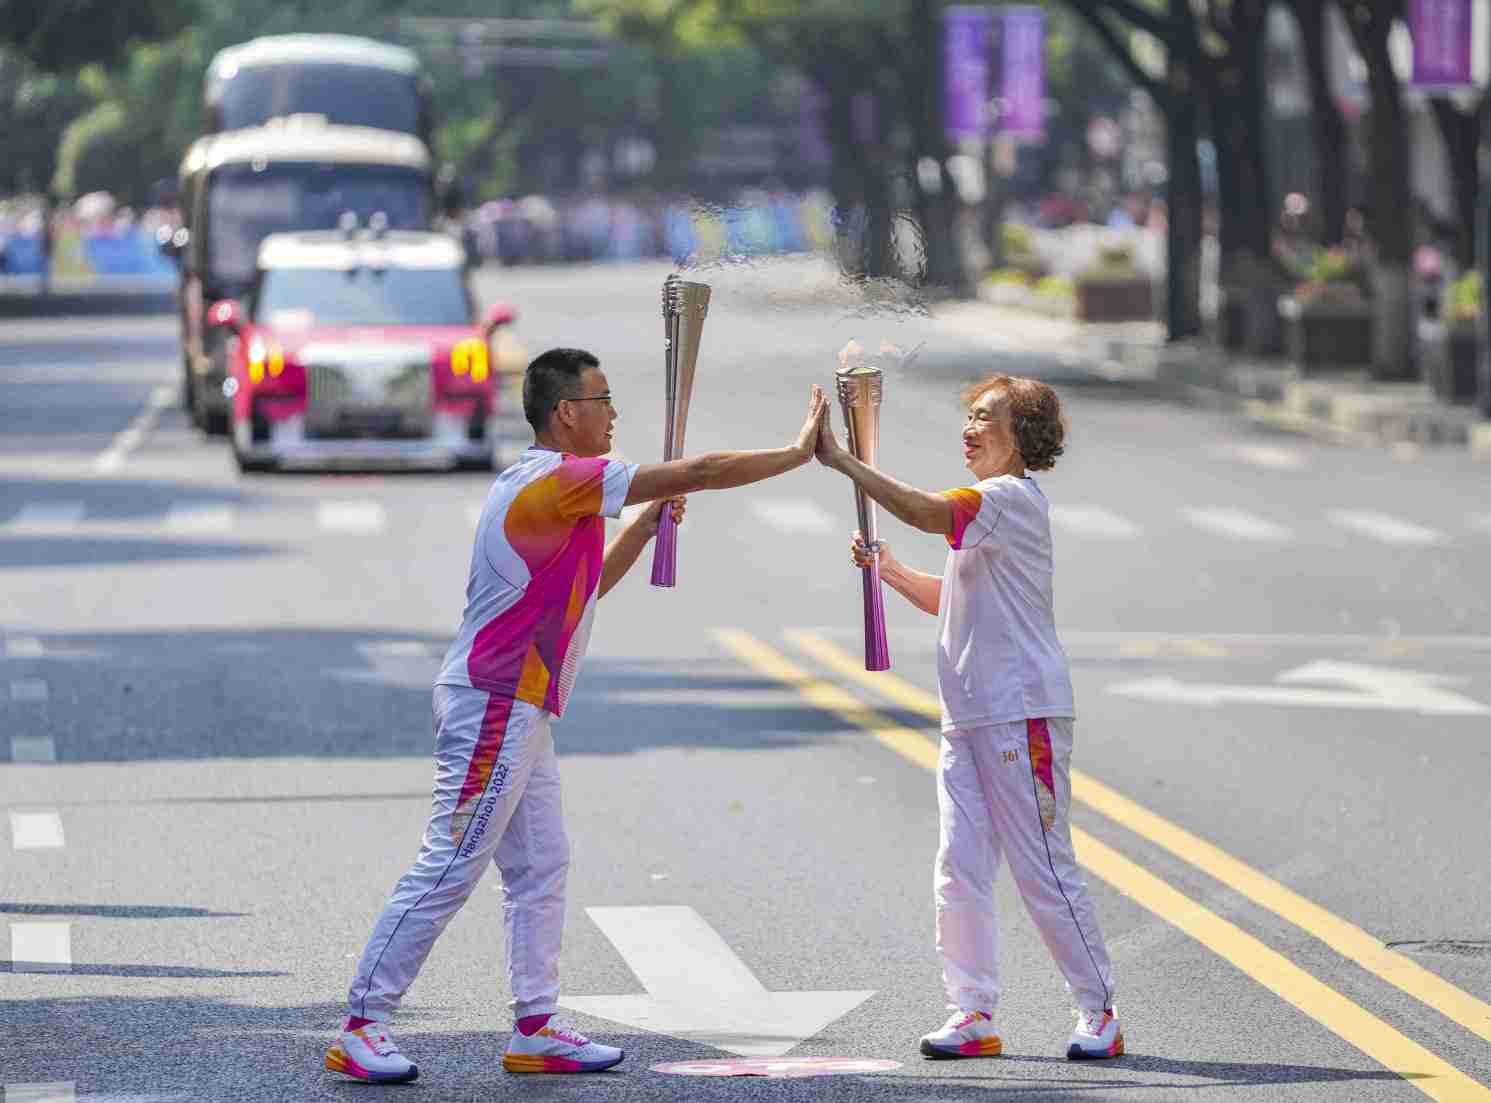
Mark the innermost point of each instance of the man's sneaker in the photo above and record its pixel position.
(368, 1053)
(1097, 1035)
(557, 1047)
(965, 1034)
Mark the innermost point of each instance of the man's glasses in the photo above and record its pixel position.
(606, 398)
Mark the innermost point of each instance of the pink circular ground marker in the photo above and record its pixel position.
(777, 1066)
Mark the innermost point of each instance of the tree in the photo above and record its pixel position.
(1388, 221)
(63, 35)
(1327, 123)
(1177, 94)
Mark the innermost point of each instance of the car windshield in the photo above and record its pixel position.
(302, 297)
(349, 95)
(245, 205)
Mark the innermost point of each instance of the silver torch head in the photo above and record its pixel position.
(859, 389)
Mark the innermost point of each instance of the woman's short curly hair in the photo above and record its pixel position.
(1035, 416)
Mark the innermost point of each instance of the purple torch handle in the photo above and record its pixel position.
(877, 651)
(665, 552)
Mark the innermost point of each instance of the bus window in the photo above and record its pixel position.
(244, 205)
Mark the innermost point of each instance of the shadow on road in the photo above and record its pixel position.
(185, 1047)
(197, 695)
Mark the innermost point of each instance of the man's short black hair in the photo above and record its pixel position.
(552, 376)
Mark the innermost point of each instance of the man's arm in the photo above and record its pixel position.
(722, 470)
(624, 550)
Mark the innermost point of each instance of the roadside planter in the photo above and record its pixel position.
(1114, 289)
(1327, 333)
(1450, 363)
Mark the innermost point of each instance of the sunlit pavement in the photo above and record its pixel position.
(215, 694)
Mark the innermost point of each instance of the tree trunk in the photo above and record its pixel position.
(946, 266)
(1325, 119)
(1183, 210)
(1388, 223)
(1461, 132)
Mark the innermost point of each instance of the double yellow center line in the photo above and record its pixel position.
(1426, 1071)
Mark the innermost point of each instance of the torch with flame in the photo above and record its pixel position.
(859, 388)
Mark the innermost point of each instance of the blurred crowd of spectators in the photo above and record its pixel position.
(92, 236)
(541, 230)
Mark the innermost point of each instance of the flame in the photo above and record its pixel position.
(852, 353)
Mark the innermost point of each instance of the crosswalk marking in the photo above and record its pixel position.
(45, 517)
(28, 689)
(1384, 528)
(792, 515)
(350, 516)
(1238, 524)
(198, 519)
(56, 1091)
(1275, 457)
(23, 647)
(41, 947)
(1094, 521)
(32, 748)
(40, 830)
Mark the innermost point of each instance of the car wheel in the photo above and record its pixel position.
(215, 422)
(247, 466)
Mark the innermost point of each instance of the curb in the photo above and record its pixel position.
(65, 304)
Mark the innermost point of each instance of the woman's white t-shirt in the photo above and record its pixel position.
(998, 658)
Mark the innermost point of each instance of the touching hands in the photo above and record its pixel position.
(829, 449)
(807, 439)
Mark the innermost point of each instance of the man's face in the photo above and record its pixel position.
(592, 414)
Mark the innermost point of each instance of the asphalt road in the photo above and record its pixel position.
(214, 702)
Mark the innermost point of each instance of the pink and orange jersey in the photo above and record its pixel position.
(535, 570)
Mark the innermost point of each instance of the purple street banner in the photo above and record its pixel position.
(1441, 42)
(966, 39)
(1023, 80)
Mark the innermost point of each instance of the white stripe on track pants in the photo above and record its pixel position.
(1003, 793)
(496, 800)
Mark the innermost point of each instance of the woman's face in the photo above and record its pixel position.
(988, 438)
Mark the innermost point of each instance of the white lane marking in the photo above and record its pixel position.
(112, 458)
(792, 515)
(1384, 528)
(36, 830)
(57, 1091)
(32, 748)
(697, 988)
(41, 947)
(45, 517)
(396, 649)
(194, 519)
(1239, 524)
(1272, 456)
(24, 647)
(1366, 687)
(29, 689)
(350, 516)
(1094, 521)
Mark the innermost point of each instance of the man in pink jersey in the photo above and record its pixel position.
(537, 568)
(1004, 780)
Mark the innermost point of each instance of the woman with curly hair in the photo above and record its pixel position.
(1003, 782)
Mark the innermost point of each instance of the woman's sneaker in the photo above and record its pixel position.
(368, 1053)
(557, 1047)
(1097, 1036)
(965, 1034)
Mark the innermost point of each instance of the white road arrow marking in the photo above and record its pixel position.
(1366, 687)
(697, 988)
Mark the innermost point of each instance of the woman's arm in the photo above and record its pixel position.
(921, 509)
(921, 589)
